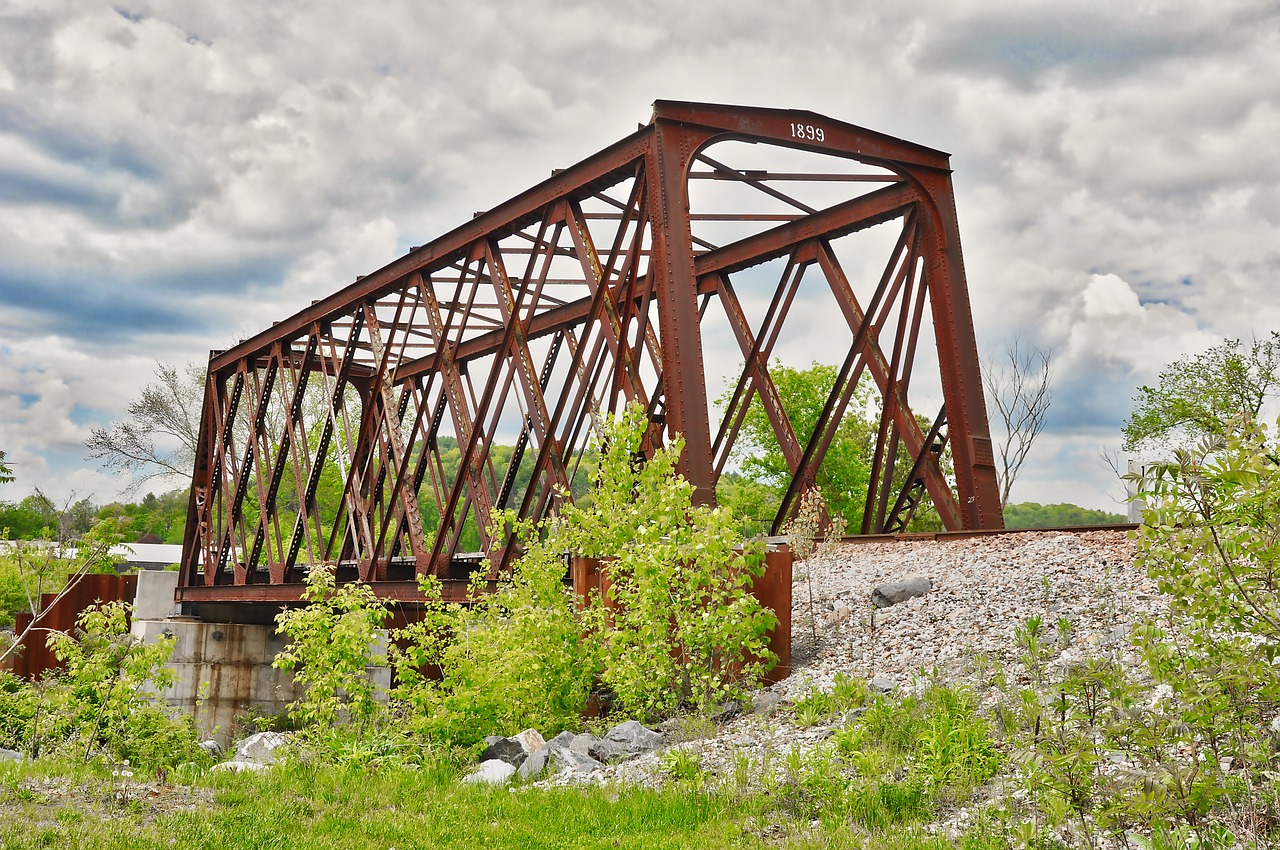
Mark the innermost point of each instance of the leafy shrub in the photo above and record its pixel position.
(103, 703)
(331, 640)
(517, 657)
(680, 628)
(819, 706)
(685, 629)
(1211, 541)
(955, 748)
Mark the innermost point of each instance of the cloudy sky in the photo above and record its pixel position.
(175, 175)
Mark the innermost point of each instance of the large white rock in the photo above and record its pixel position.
(260, 748)
(237, 767)
(490, 772)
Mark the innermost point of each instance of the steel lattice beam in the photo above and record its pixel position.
(383, 426)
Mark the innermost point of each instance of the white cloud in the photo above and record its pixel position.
(175, 174)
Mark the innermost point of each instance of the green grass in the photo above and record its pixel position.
(63, 805)
(297, 807)
(866, 788)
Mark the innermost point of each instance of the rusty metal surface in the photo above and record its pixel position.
(964, 534)
(590, 576)
(35, 657)
(385, 425)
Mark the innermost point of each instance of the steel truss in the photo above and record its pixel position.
(364, 430)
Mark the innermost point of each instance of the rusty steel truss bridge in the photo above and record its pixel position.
(382, 427)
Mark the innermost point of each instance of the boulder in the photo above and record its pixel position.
(633, 738)
(606, 751)
(212, 747)
(882, 685)
(260, 748)
(514, 749)
(563, 757)
(582, 743)
(11, 755)
(894, 592)
(535, 764)
(563, 739)
(490, 772)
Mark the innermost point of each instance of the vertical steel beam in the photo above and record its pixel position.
(975, 468)
(676, 284)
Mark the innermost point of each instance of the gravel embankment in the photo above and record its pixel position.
(983, 589)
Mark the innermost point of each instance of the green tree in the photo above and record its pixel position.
(6, 473)
(33, 517)
(164, 516)
(1200, 396)
(845, 471)
(1034, 515)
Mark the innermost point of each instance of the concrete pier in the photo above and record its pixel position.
(223, 669)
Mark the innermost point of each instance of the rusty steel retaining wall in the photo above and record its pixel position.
(772, 588)
(34, 657)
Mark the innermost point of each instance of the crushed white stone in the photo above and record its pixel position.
(983, 589)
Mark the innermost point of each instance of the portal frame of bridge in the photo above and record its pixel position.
(589, 291)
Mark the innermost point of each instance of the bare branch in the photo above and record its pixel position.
(158, 439)
(1017, 386)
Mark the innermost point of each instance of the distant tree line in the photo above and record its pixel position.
(37, 517)
(1033, 515)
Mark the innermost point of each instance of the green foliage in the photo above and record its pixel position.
(516, 658)
(1183, 751)
(954, 749)
(680, 629)
(1063, 515)
(1211, 541)
(754, 492)
(34, 517)
(14, 590)
(102, 704)
(819, 706)
(6, 473)
(753, 503)
(164, 516)
(846, 469)
(684, 629)
(1201, 396)
(889, 766)
(1033, 648)
(683, 765)
(331, 641)
(31, 568)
